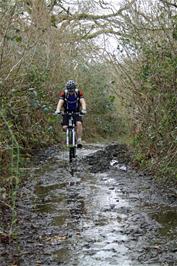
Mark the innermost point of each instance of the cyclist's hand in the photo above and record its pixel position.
(83, 112)
(57, 112)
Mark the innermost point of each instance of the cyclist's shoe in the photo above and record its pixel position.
(79, 144)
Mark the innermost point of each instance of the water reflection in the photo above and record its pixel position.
(84, 219)
(168, 220)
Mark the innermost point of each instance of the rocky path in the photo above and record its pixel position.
(107, 214)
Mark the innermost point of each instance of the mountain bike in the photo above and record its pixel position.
(71, 141)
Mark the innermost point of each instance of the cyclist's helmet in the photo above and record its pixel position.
(71, 85)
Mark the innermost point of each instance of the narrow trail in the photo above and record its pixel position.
(107, 214)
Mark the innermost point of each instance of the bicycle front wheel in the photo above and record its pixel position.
(72, 154)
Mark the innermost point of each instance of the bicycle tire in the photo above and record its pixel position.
(71, 154)
(70, 137)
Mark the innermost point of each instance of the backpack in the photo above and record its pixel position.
(72, 102)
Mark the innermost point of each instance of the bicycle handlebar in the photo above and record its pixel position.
(71, 113)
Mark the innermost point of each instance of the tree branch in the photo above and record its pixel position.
(2, 44)
(86, 16)
(170, 4)
(99, 32)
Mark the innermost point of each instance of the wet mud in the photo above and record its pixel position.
(106, 214)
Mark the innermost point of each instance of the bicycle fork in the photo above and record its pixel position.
(70, 137)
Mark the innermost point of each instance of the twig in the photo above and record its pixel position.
(15, 66)
(5, 204)
(170, 4)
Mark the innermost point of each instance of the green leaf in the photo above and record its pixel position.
(18, 38)
(112, 98)
(52, 119)
(53, 21)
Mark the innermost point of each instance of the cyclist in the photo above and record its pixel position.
(72, 100)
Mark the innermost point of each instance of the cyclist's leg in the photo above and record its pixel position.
(64, 128)
(79, 129)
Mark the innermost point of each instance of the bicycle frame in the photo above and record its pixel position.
(71, 130)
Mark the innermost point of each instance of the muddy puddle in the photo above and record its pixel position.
(109, 217)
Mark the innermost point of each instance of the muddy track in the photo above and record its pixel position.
(107, 214)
